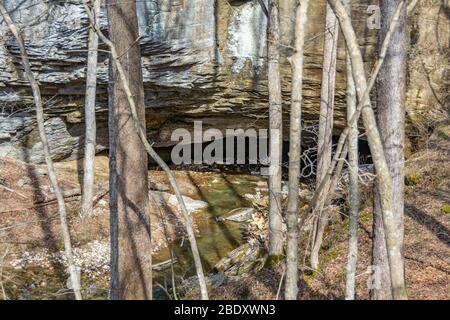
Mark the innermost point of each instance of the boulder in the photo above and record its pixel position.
(169, 200)
(244, 259)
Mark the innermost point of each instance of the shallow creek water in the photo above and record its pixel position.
(223, 193)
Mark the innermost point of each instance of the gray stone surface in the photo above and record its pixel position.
(201, 59)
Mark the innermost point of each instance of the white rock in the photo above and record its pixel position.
(240, 214)
(169, 199)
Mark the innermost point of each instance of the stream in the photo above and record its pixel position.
(215, 240)
(37, 273)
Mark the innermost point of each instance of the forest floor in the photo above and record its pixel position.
(426, 246)
(29, 224)
(426, 249)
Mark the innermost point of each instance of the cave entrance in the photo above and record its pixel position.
(244, 155)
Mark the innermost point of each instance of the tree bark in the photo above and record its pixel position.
(324, 145)
(384, 180)
(326, 186)
(276, 136)
(89, 149)
(411, 6)
(291, 286)
(142, 136)
(324, 218)
(381, 276)
(330, 46)
(391, 95)
(73, 270)
(353, 189)
(131, 249)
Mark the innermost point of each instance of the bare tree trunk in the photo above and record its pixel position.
(142, 136)
(393, 242)
(353, 190)
(324, 218)
(291, 287)
(73, 270)
(131, 248)
(411, 6)
(326, 186)
(324, 146)
(330, 46)
(325, 191)
(276, 133)
(381, 276)
(89, 109)
(391, 95)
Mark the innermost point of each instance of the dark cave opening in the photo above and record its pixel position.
(246, 162)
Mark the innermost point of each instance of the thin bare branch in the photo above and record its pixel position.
(155, 156)
(48, 159)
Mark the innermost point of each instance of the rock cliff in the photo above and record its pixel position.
(202, 60)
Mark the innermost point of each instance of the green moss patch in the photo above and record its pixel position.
(413, 179)
(445, 208)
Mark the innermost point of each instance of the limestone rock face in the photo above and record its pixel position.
(202, 60)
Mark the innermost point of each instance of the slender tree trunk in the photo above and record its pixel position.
(326, 188)
(391, 95)
(142, 136)
(291, 287)
(323, 204)
(131, 248)
(411, 6)
(353, 190)
(91, 84)
(381, 276)
(324, 146)
(384, 180)
(73, 270)
(276, 133)
(330, 46)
